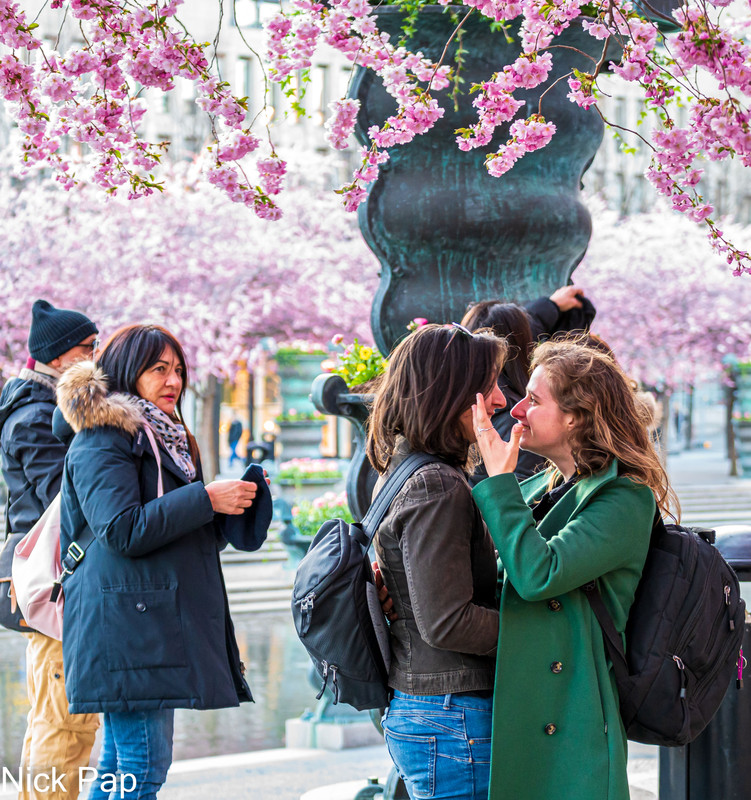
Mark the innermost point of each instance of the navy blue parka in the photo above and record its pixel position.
(30, 456)
(146, 622)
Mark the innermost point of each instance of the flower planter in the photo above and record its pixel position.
(301, 439)
(295, 491)
(297, 375)
(445, 231)
(742, 431)
(332, 396)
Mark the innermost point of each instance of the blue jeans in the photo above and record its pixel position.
(137, 744)
(440, 744)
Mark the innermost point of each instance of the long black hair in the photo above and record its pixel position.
(510, 322)
(130, 351)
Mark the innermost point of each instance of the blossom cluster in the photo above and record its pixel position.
(664, 65)
(89, 94)
(631, 264)
(300, 469)
(350, 27)
(225, 282)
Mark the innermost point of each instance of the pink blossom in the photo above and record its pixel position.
(340, 125)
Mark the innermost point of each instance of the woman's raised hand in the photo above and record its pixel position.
(231, 497)
(499, 456)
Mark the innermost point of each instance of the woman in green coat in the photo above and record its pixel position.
(557, 731)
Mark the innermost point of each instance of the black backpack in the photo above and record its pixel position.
(335, 604)
(683, 637)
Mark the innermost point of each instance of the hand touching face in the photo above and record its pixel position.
(491, 401)
(499, 456)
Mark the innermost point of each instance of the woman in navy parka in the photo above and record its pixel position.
(146, 624)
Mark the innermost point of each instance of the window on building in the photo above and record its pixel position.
(244, 82)
(247, 14)
(319, 93)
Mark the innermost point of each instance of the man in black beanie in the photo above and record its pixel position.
(32, 459)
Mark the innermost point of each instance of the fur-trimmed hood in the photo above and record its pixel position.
(83, 400)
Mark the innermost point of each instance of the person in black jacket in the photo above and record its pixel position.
(566, 310)
(146, 626)
(32, 463)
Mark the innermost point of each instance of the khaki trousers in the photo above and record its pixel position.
(56, 743)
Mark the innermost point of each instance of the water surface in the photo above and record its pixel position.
(277, 667)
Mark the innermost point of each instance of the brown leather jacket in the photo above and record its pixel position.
(439, 564)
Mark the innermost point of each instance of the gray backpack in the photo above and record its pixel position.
(335, 604)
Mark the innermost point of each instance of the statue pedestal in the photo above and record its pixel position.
(330, 734)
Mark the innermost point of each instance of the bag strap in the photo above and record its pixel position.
(77, 550)
(149, 431)
(389, 491)
(613, 640)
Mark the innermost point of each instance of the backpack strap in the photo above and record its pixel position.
(610, 635)
(77, 550)
(389, 491)
(613, 641)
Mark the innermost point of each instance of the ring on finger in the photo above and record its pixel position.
(483, 430)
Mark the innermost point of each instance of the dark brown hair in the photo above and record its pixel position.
(511, 323)
(609, 422)
(130, 351)
(431, 380)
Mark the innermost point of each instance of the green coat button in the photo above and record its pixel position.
(550, 729)
(555, 605)
(556, 667)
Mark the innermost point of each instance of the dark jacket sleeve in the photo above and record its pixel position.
(545, 318)
(434, 529)
(105, 478)
(40, 453)
(61, 429)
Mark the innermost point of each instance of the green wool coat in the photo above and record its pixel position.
(557, 731)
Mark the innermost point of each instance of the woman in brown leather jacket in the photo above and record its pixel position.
(438, 561)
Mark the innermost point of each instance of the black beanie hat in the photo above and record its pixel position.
(54, 331)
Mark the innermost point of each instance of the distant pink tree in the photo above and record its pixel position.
(666, 303)
(192, 260)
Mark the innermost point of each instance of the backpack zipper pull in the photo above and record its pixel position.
(731, 622)
(682, 668)
(325, 665)
(335, 683)
(741, 664)
(306, 609)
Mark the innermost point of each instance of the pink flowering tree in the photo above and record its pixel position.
(189, 259)
(89, 94)
(666, 303)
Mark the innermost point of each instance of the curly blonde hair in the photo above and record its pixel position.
(610, 421)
